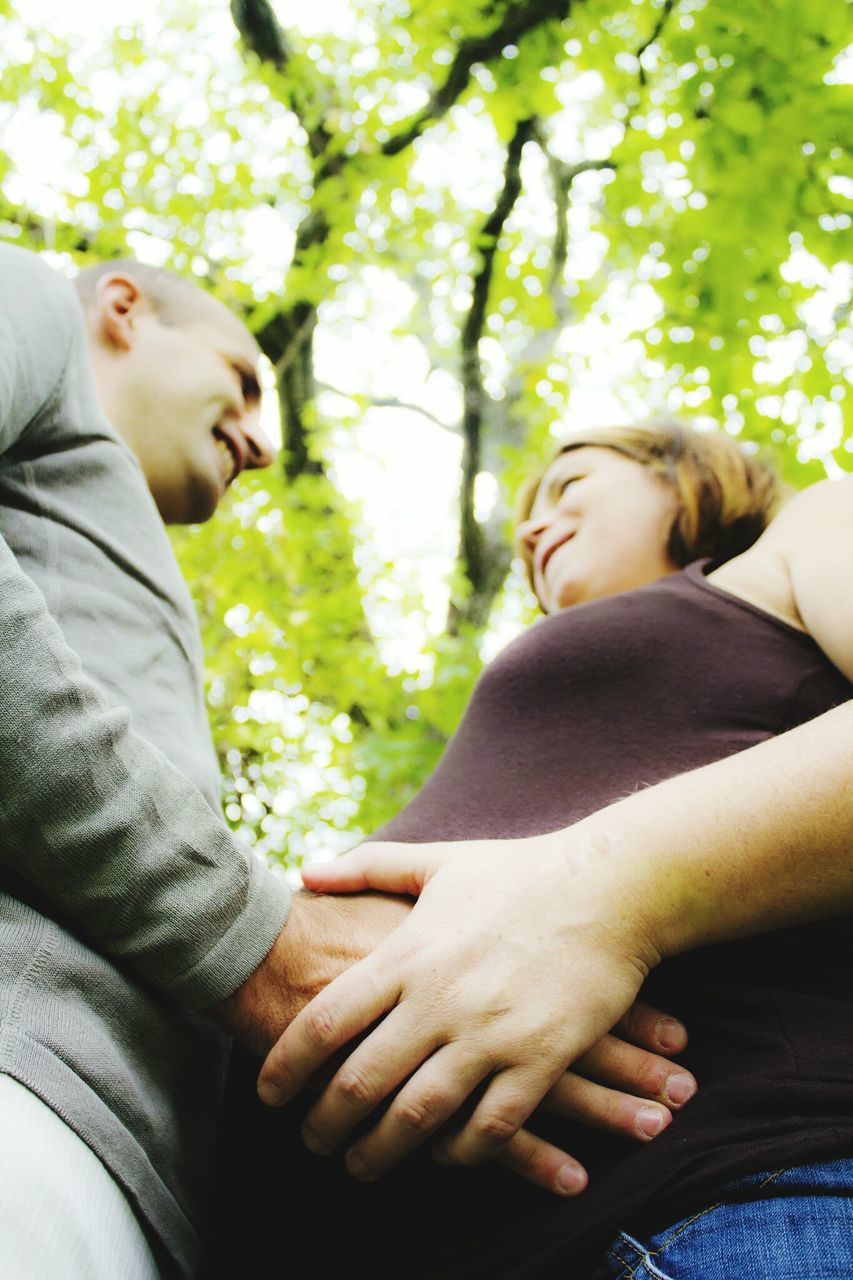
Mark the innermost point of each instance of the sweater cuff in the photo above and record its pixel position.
(242, 947)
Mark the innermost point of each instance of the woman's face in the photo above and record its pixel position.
(599, 524)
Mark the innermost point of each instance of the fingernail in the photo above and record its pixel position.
(270, 1094)
(679, 1089)
(314, 1142)
(359, 1168)
(670, 1033)
(650, 1121)
(570, 1180)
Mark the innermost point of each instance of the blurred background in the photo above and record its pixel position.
(459, 229)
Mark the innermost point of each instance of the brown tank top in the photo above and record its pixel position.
(585, 707)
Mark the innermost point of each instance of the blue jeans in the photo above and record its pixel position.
(792, 1224)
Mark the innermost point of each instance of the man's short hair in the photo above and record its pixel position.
(174, 299)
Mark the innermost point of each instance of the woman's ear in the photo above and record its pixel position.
(118, 301)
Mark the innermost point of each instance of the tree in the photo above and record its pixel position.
(550, 189)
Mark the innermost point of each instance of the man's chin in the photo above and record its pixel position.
(204, 505)
(195, 506)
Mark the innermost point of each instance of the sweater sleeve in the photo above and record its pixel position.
(36, 333)
(96, 826)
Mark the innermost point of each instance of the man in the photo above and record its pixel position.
(131, 920)
(125, 903)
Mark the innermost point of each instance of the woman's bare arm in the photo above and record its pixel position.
(471, 992)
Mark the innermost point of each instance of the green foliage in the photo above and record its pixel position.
(713, 248)
(724, 170)
(317, 740)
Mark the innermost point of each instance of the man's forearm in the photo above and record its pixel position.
(323, 936)
(105, 831)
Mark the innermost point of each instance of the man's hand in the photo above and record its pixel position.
(622, 1085)
(517, 959)
(322, 937)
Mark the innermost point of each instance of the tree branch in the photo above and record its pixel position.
(288, 337)
(562, 177)
(389, 402)
(667, 9)
(262, 34)
(261, 31)
(484, 562)
(517, 21)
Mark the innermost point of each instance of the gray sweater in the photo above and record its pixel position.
(125, 902)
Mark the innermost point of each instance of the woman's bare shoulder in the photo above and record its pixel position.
(814, 513)
(791, 567)
(813, 536)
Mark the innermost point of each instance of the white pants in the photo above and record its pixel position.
(62, 1217)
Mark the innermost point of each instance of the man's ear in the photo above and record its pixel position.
(119, 302)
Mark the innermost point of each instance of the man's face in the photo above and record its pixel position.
(189, 407)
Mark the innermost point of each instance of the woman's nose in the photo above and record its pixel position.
(529, 532)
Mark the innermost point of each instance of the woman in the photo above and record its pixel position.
(654, 662)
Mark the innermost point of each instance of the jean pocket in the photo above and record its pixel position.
(774, 1238)
(629, 1259)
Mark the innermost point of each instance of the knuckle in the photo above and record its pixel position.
(616, 1111)
(418, 1115)
(354, 1088)
(321, 1024)
(652, 1078)
(496, 1126)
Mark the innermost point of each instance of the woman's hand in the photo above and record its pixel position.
(518, 957)
(725, 851)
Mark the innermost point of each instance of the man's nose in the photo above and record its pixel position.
(262, 451)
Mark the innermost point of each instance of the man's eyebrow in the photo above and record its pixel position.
(248, 379)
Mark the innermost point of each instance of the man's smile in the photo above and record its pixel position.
(232, 448)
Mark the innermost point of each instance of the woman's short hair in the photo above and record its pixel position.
(726, 496)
